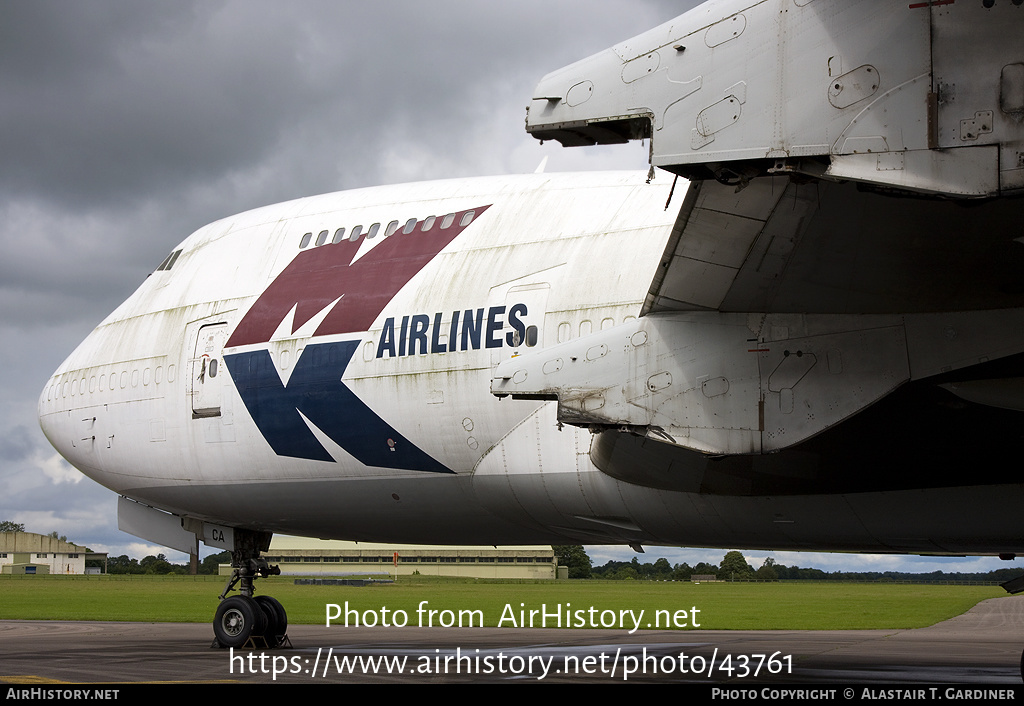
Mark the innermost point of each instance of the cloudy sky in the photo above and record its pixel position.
(125, 126)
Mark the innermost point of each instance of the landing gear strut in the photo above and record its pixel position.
(246, 617)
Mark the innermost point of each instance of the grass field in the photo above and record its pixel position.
(722, 606)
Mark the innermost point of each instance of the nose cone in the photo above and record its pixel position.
(48, 408)
(55, 414)
(68, 418)
(104, 409)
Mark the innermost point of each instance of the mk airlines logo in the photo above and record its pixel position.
(354, 292)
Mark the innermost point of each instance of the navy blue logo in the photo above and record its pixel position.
(360, 289)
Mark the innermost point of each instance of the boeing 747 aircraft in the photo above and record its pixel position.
(815, 340)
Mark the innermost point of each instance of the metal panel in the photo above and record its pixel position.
(153, 525)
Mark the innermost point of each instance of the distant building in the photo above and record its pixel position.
(300, 556)
(30, 553)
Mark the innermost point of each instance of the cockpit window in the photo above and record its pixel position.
(169, 261)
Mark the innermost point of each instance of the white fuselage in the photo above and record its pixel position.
(134, 408)
(262, 381)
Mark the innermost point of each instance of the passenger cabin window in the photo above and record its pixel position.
(410, 225)
(390, 230)
(373, 230)
(322, 238)
(428, 223)
(339, 235)
(305, 240)
(447, 221)
(467, 218)
(356, 232)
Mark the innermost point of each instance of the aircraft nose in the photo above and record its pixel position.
(67, 423)
(75, 414)
(53, 413)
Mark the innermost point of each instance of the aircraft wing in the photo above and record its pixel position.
(784, 306)
(779, 244)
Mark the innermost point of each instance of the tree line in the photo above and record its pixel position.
(159, 565)
(734, 567)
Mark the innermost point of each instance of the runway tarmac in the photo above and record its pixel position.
(981, 647)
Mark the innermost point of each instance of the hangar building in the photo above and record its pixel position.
(31, 553)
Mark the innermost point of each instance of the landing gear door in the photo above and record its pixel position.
(206, 382)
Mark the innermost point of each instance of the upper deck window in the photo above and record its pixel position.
(324, 236)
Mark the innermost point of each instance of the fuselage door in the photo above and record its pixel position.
(208, 374)
(525, 309)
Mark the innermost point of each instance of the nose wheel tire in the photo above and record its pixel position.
(277, 619)
(238, 618)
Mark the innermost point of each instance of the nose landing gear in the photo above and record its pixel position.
(246, 619)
